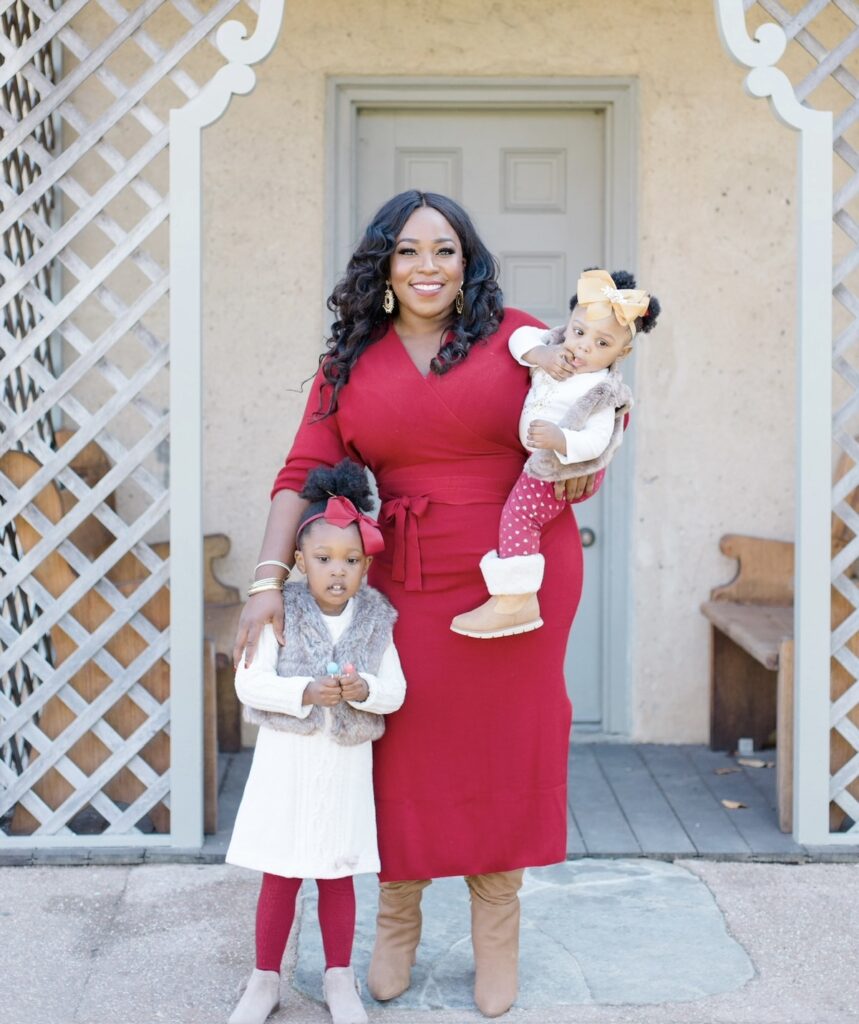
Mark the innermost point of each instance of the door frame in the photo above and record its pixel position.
(618, 99)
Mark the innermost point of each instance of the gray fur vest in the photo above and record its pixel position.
(544, 464)
(308, 650)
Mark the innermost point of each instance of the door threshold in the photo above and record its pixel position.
(593, 734)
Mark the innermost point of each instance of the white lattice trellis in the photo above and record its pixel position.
(86, 207)
(816, 92)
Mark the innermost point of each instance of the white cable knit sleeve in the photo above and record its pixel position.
(591, 441)
(387, 687)
(522, 340)
(259, 686)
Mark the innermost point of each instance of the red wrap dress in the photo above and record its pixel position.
(471, 774)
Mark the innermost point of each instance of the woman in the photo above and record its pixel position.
(418, 385)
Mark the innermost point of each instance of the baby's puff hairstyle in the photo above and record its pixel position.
(624, 280)
(346, 480)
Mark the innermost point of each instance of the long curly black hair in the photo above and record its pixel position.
(357, 297)
(347, 479)
(623, 280)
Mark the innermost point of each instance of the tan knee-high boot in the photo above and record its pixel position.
(398, 932)
(495, 938)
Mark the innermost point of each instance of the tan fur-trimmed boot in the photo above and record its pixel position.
(398, 932)
(495, 938)
(513, 606)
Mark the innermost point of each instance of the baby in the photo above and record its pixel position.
(572, 423)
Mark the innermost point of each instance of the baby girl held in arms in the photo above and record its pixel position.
(572, 423)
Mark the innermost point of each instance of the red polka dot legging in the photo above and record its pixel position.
(530, 505)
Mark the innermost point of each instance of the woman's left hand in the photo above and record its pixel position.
(578, 487)
(354, 687)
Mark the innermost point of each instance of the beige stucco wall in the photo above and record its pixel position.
(713, 429)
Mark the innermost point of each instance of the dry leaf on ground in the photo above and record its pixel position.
(753, 762)
(733, 805)
(725, 771)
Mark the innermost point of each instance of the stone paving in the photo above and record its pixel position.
(604, 942)
(645, 912)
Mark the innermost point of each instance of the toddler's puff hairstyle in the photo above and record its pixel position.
(623, 280)
(347, 480)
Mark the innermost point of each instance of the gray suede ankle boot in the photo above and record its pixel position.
(260, 998)
(342, 996)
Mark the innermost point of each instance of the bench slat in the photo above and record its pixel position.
(758, 629)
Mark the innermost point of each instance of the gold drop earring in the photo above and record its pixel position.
(388, 301)
(459, 302)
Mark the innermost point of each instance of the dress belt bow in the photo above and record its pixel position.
(404, 513)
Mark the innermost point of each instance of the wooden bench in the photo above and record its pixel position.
(751, 679)
(752, 669)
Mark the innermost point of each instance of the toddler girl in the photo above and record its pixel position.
(307, 809)
(572, 423)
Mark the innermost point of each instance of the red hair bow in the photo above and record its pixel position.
(341, 512)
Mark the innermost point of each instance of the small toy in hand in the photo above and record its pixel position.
(344, 674)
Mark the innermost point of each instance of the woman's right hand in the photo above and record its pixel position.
(258, 610)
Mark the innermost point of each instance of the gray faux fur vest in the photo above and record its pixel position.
(308, 650)
(544, 464)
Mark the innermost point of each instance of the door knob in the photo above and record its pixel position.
(588, 537)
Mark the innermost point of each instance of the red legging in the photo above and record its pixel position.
(276, 910)
(531, 504)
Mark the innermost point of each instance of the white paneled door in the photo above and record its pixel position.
(534, 182)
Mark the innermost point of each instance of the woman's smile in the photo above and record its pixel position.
(426, 269)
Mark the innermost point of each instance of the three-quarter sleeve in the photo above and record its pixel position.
(523, 339)
(591, 441)
(259, 686)
(317, 442)
(387, 687)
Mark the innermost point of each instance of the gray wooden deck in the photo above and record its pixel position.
(637, 800)
(649, 800)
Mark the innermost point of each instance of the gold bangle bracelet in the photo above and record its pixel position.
(260, 590)
(272, 561)
(268, 579)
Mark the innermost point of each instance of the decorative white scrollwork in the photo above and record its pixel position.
(767, 46)
(232, 43)
(237, 78)
(760, 53)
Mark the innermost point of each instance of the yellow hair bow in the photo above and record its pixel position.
(596, 290)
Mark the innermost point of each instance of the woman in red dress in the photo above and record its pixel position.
(418, 385)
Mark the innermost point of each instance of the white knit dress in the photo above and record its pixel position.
(307, 809)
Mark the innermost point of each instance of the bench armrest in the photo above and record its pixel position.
(764, 573)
